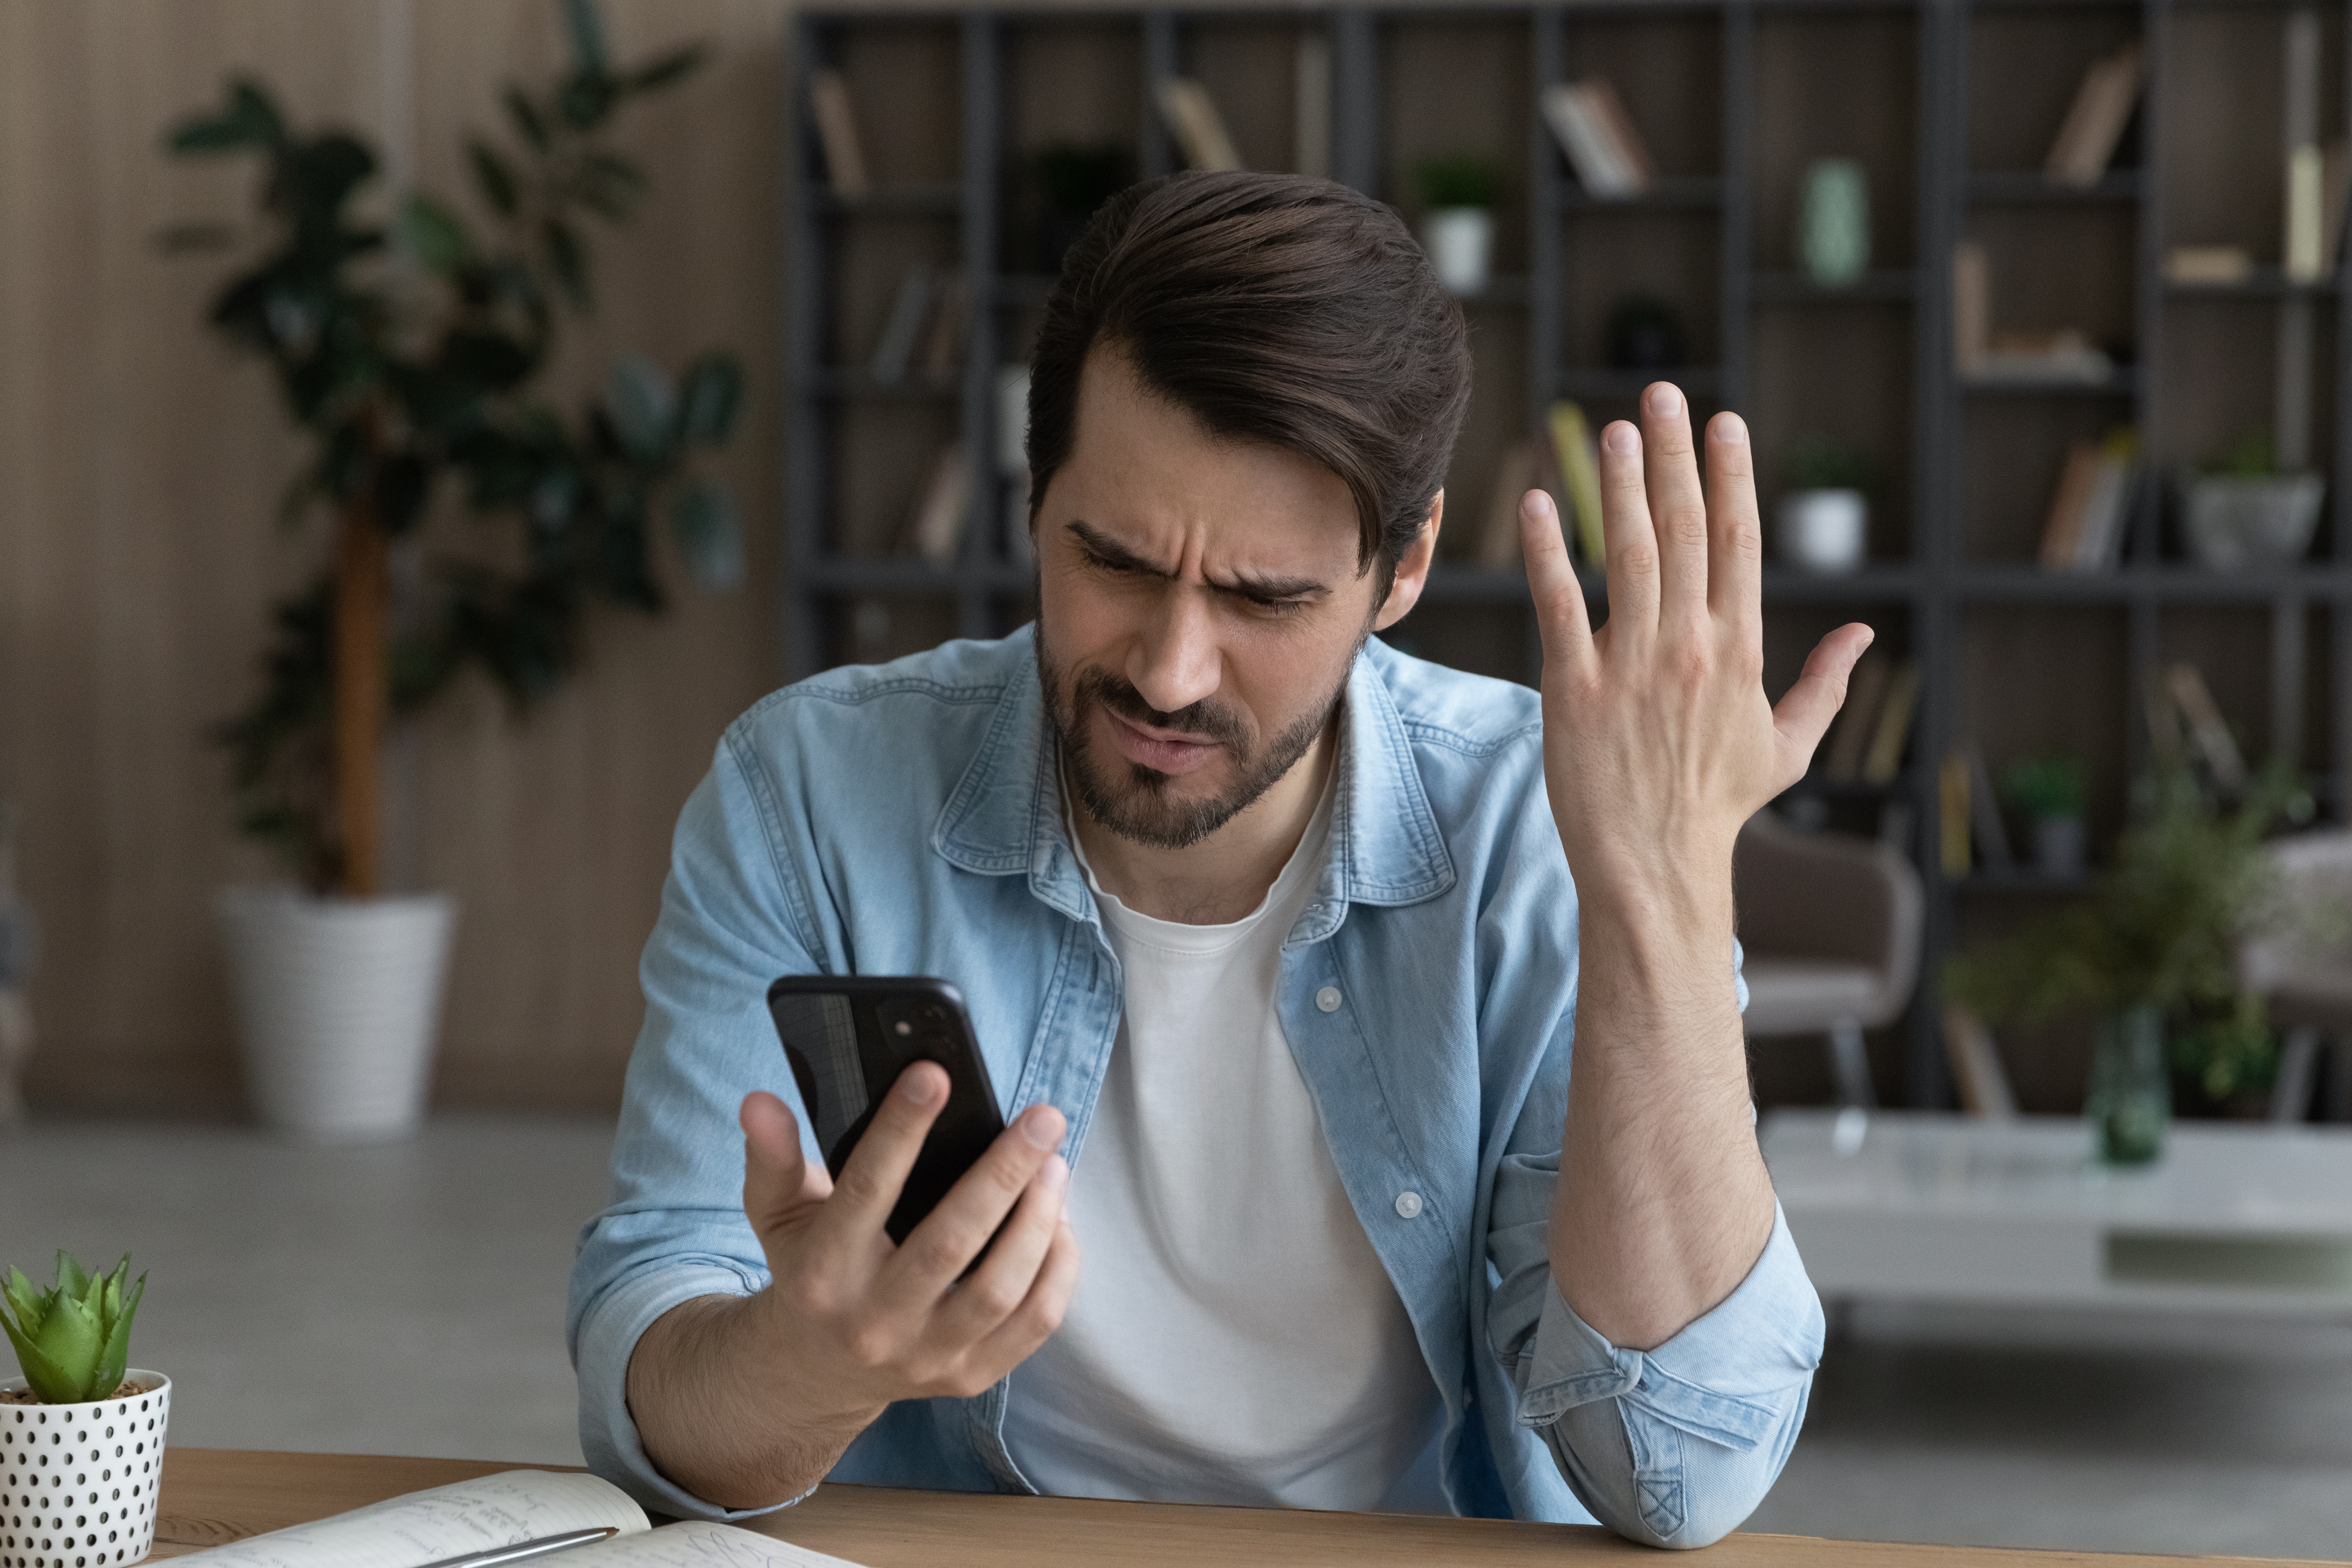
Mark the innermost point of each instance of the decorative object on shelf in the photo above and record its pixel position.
(2093, 504)
(1823, 518)
(1833, 228)
(1458, 195)
(2240, 512)
(836, 134)
(2207, 266)
(2060, 357)
(2128, 1101)
(104, 1420)
(2094, 123)
(1075, 178)
(1590, 122)
(1576, 460)
(1645, 333)
(2050, 791)
(19, 938)
(411, 381)
(1199, 130)
(2159, 930)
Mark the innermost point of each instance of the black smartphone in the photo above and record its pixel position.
(848, 1038)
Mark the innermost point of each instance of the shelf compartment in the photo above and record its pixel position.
(2163, 584)
(1796, 288)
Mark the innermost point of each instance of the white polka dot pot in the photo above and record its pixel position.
(77, 1482)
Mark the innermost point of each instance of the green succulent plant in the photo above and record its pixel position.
(73, 1340)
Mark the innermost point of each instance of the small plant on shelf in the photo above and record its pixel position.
(1458, 193)
(73, 1340)
(1457, 180)
(2050, 792)
(1823, 517)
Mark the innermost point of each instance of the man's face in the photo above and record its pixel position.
(1199, 606)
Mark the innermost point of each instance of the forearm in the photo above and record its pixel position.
(710, 1414)
(1663, 1203)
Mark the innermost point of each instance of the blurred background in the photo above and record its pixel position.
(427, 424)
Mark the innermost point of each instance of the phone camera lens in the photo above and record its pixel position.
(903, 1027)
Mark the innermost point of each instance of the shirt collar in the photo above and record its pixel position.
(1005, 815)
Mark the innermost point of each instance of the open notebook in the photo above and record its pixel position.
(508, 1510)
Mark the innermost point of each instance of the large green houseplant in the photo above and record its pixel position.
(2153, 949)
(411, 347)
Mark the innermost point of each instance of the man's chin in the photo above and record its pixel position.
(1152, 808)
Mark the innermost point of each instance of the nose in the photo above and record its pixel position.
(1175, 662)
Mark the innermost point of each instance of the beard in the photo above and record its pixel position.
(1137, 801)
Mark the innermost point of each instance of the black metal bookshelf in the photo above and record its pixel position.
(1931, 592)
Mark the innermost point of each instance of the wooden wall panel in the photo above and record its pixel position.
(139, 464)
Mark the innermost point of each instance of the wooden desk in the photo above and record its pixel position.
(216, 1495)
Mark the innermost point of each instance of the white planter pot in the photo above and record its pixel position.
(77, 1481)
(338, 1001)
(2238, 522)
(1824, 531)
(1460, 245)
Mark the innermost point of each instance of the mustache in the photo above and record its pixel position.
(1204, 718)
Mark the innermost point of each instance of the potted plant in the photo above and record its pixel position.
(82, 1432)
(2153, 950)
(1824, 516)
(2243, 512)
(411, 356)
(2048, 792)
(1458, 195)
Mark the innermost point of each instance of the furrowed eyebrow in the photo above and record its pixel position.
(1111, 553)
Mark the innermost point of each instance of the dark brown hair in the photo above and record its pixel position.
(1272, 308)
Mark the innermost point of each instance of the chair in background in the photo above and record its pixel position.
(2304, 970)
(1830, 926)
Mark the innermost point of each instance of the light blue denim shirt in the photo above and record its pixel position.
(907, 819)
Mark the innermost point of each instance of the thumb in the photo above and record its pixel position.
(779, 1185)
(1803, 715)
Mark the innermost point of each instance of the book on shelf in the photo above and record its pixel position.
(836, 134)
(1985, 826)
(1952, 814)
(506, 1511)
(2090, 508)
(2095, 122)
(909, 307)
(1977, 1072)
(934, 530)
(2207, 265)
(1971, 307)
(1882, 762)
(2208, 733)
(2302, 244)
(1578, 462)
(2061, 355)
(1590, 122)
(1515, 475)
(1199, 130)
(1848, 741)
(2334, 186)
(1310, 98)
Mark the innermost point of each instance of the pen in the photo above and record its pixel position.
(497, 1556)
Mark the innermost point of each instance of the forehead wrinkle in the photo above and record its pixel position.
(1269, 584)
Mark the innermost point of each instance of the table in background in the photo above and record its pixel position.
(2235, 1218)
(211, 1496)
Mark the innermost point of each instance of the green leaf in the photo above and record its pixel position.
(709, 534)
(714, 391)
(249, 119)
(587, 30)
(115, 1358)
(644, 405)
(70, 1278)
(29, 1304)
(71, 1338)
(492, 177)
(585, 98)
(435, 236)
(568, 258)
(664, 69)
(528, 120)
(48, 1379)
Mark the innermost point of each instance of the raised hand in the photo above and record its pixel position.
(1658, 739)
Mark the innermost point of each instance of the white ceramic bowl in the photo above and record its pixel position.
(77, 1482)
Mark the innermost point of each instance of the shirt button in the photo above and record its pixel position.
(1408, 1205)
(1327, 998)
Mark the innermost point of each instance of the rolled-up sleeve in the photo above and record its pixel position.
(1675, 1445)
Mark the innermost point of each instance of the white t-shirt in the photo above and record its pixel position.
(1234, 1337)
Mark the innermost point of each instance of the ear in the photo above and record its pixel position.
(1413, 569)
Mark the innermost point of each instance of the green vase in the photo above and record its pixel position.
(1834, 229)
(2130, 1100)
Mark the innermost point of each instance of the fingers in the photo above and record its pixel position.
(1678, 502)
(1803, 716)
(1633, 545)
(1734, 555)
(950, 1235)
(779, 1183)
(1561, 618)
(876, 1170)
(996, 1290)
(1039, 1313)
